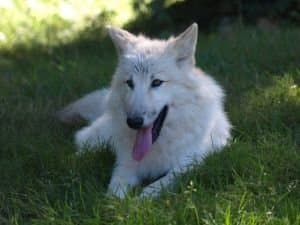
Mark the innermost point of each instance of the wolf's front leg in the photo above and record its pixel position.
(122, 179)
(100, 131)
(154, 189)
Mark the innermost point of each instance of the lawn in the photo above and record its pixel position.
(255, 180)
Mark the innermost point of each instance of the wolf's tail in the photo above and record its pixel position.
(88, 108)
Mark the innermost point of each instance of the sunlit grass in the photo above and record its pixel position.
(52, 22)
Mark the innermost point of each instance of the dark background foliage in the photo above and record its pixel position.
(211, 14)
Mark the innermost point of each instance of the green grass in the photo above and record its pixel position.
(256, 180)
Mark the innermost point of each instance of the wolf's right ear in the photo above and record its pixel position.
(122, 39)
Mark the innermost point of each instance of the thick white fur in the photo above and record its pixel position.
(196, 123)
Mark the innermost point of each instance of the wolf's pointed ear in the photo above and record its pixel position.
(184, 45)
(122, 39)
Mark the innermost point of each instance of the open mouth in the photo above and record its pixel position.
(145, 137)
(158, 123)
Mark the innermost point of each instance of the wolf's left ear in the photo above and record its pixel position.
(122, 39)
(184, 45)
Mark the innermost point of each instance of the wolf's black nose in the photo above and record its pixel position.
(135, 122)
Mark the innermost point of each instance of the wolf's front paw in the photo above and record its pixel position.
(150, 192)
(119, 193)
(81, 139)
(115, 189)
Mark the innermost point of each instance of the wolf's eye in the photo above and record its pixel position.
(156, 83)
(130, 83)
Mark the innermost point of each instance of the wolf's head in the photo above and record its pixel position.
(148, 75)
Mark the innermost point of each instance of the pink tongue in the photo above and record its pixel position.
(142, 143)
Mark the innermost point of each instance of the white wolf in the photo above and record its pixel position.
(161, 113)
